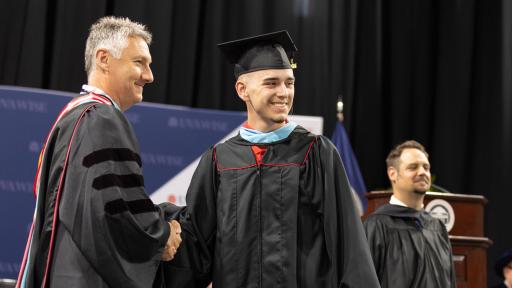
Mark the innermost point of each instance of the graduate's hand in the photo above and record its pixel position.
(173, 242)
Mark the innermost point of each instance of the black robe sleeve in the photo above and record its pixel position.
(344, 234)
(453, 277)
(375, 233)
(104, 206)
(193, 262)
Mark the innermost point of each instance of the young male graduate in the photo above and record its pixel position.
(94, 225)
(270, 207)
(409, 247)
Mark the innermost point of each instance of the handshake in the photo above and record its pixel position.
(173, 242)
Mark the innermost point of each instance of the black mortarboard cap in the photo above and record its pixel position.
(503, 261)
(267, 51)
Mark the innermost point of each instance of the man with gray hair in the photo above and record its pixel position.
(94, 225)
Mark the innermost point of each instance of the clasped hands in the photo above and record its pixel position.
(173, 242)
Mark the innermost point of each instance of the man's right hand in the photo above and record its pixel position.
(173, 242)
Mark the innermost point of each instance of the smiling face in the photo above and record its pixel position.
(268, 95)
(128, 74)
(412, 174)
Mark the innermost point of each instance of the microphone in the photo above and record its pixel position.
(439, 188)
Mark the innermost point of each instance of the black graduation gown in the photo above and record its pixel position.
(289, 222)
(410, 248)
(109, 233)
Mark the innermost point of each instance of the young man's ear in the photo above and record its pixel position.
(102, 59)
(241, 89)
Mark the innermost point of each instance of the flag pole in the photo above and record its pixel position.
(339, 109)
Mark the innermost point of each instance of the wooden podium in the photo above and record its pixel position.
(469, 246)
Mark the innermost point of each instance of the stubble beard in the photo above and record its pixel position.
(420, 192)
(278, 119)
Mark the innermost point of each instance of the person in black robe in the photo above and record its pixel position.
(94, 225)
(409, 247)
(503, 268)
(270, 207)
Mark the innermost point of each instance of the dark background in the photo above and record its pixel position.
(438, 71)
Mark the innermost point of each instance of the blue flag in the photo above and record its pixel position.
(340, 140)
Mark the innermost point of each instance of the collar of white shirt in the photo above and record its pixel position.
(92, 89)
(395, 201)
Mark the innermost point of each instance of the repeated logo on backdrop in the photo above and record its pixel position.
(171, 139)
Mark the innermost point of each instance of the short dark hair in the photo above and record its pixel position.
(394, 155)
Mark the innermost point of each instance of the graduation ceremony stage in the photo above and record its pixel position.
(172, 138)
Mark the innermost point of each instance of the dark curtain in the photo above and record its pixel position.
(438, 71)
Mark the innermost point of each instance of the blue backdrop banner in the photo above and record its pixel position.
(171, 138)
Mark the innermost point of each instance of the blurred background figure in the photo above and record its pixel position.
(503, 267)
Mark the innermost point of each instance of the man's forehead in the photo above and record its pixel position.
(138, 41)
(138, 47)
(413, 155)
(270, 73)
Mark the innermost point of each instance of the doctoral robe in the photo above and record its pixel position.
(288, 221)
(106, 231)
